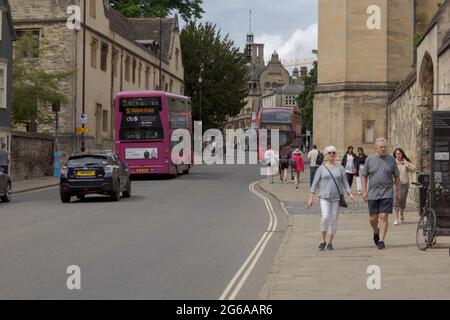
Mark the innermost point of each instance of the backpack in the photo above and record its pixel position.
(320, 159)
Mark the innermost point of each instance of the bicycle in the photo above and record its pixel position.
(426, 228)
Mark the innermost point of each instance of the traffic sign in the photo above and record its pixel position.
(81, 130)
(83, 118)
(308, 133)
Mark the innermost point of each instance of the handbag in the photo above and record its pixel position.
(342, 202)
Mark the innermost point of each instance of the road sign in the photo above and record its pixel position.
(81, 130)
(83, 118)
(308, 133)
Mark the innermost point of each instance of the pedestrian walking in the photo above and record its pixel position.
(4, 158)
(332, 182)
(350, 165)
(379, 174)
(360, 162)
(313, 165)
(290, 153)
(298, 166)
(405, 167)
(271, 161)
(284, 164)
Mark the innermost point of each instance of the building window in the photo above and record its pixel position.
(147, 78)
(3, 84)
(115, 60)
(92, 9)
(166, 87)
(134, 71)
(171, 85)
(30, 46)
(177, 58)
(140, 75)
(369, 132)
(104, 57)
(94, 53)
(105, 120)
(127, 68)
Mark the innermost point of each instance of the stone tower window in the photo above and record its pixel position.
(94, 53)
(92, 8)
(104, 57)
(127, 68)
(134, 71)
(369, 132)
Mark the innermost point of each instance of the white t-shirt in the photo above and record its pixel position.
(312, 157)
(350, 165)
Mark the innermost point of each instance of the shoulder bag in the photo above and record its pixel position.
(342, 202)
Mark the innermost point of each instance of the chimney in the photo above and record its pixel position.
(303, 73)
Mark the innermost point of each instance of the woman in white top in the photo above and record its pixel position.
(349, 162)
(405, 167)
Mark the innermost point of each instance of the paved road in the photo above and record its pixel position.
(174, 239)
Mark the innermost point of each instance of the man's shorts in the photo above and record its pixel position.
(381, 206)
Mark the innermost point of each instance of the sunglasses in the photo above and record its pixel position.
(332, 152)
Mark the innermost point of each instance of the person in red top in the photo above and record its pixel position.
(299, 165)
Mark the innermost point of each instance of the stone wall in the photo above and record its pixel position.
(31, 155)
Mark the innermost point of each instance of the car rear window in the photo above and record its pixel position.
(87, 161)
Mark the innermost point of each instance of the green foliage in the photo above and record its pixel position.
(224, 84)
(188, 9)
(33, 88)
(305, 99)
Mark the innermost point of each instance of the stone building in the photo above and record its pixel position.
(285, 96)
(425, 90)
(263, 79)
(7, 35)
(361, 67)
(121, 55)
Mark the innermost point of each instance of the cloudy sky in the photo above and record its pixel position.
(287, 26)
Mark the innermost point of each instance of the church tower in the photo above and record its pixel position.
(366, 47)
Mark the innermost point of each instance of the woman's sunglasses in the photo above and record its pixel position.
(332, 152)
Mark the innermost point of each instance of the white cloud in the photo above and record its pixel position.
(298, 46)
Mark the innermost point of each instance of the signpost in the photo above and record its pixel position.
(440, 169)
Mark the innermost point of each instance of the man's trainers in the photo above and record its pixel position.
(330, 247)
(381, 245)
(396, 223)
(376, 237)
(322, 246)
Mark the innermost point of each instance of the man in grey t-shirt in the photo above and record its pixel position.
(378, 178)
(4, 158)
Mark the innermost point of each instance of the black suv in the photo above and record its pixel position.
(99, 173)
(5, 186)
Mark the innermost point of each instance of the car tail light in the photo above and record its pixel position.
(109, 169)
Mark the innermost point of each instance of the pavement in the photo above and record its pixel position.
(300, 271)
(34, 184)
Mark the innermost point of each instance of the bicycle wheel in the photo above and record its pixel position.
(426, 229)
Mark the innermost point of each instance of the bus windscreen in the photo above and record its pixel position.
(141, 119)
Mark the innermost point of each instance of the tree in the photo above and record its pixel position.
(188, 9)
(222, 69)
(33, 88)
(306, 98)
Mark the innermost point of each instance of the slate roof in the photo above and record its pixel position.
(144, 29)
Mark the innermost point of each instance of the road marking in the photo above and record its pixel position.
(37, 190)
(257, 251)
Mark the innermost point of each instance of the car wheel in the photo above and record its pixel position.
(115, 196)
(8, 195)
(127, 193)
(65, 197)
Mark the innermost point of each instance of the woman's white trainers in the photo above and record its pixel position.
(396, 223)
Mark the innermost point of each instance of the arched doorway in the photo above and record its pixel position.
(425, 112)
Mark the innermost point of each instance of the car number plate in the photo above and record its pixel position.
(85, 173)
(143, 170)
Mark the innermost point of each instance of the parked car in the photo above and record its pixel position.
(5, 186)
(94, 173)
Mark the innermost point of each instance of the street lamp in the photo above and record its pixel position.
(83, 99)
(200, 81)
